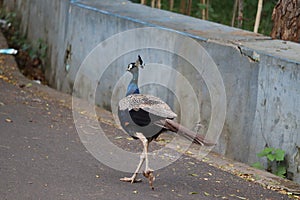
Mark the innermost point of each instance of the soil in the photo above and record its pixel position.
(31, 66)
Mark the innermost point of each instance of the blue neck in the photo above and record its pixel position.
(133, 85)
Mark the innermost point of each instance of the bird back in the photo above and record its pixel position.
(148, 103)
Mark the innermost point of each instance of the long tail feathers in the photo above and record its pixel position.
(185, 132)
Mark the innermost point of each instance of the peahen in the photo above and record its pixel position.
(145, 117)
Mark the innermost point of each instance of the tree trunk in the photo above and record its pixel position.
(258, 15)
(143, 2)
(241, 13)
(207, 9)
(158, 4)
(171, 5)
(152, 3)
(189, 7)
(203, 2)
(286, 18)
(235, 6)
(183, 6)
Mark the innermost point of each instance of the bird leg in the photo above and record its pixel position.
(146, 145)
(133, 178)
(142, 159)
(148, 173)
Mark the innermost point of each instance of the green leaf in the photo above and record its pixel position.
(195, 175)
(266, 151)
(281, 171)
(206, 194)
(28, 85)
(271, 157)
(257, 165)
(279, 154)
(118, 137)
(202, 6)
(193, 193)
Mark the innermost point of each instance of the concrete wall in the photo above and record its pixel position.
(261, 76)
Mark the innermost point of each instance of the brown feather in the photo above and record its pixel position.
(185, 132)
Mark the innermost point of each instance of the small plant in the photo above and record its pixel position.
(38, 49)
(275, 158)
(31, 55)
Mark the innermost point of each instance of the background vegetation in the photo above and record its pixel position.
(221, 11)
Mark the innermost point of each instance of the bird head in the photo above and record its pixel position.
(134, 67)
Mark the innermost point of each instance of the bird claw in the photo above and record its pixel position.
(149, 175)
(131, 180)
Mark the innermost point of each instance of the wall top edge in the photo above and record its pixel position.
(192, 27)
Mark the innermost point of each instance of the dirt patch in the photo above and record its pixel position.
(30, 56)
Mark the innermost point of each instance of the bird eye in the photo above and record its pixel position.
(130, 66)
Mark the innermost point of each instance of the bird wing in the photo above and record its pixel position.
(148, 103)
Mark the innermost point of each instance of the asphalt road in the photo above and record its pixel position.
(42, 156)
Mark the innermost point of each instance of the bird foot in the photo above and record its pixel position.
(149, 175)
(131, 180)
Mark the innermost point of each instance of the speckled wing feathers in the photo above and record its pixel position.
(148, 103)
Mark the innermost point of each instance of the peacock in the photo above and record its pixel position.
(145, 117)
